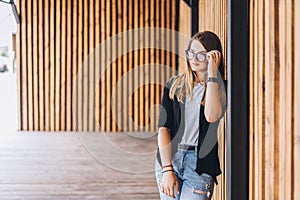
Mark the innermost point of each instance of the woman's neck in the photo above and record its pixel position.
(200, 76)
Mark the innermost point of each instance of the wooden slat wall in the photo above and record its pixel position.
(218, 25)
(56, 38)
(274, 103)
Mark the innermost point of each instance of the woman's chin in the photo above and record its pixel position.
(199, 70)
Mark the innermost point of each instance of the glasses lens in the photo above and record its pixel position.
(201, 57)
(189, 54)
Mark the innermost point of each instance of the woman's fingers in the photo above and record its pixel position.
(177, 187)
(162, 189)
(214, 56)
(168, 191)
(171, 189)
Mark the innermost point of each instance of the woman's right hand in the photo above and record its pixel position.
(169, 180)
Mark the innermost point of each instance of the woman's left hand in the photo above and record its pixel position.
(214, 59)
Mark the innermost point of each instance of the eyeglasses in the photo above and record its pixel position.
(200, 56)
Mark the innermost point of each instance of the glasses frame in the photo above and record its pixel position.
(195, 54)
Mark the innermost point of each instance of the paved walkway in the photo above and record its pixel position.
(58, 166)
(98, 166)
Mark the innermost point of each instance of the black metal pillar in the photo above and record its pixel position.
(194, 17)
(238, 99)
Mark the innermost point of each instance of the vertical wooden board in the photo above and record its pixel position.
(52, 65)
(252, 105)
(201, 22)
(217, 21)
(168, 37)
(276, 101)
(58, 65)
(79, 86)
(97, 65)
(75, 55)
(141, 72)
(113, 65)
(146, 69)
(262, 57)
(209, 21)
(282, 108)
(91, 86)
(68, 102)
(24, 65)
(85, 65)
(47, 63)
(259, 99)
(157, 54)
(185, 29)
(289, 46)
(224, 9)
(41, 60)
(224, 38)
(108, 69)
(270, 101)
(255, 94)
(296, 125)
(152, 61)
(64, 53)
(103, 62)
(174, 42)
(125, 66)
(129, 118)
(30, 66)
(120, 96)
(135, 65)
(162, 41)
(219, 192)
(35, 65)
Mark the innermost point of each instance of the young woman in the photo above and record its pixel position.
(192, 105)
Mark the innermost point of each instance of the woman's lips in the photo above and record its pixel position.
(196, 64)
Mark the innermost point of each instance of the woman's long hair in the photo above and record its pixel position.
(184, 83)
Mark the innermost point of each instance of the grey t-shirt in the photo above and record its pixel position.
(192, 111)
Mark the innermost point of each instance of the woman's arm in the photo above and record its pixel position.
(165, 123)
(213, 107)
(169, 179)
(164, 145)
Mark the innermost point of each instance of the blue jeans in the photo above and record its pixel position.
(192, 186)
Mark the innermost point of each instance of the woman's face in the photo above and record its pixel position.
(196, 65)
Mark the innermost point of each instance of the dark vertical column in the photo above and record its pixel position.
(194, 16)
(238, 99)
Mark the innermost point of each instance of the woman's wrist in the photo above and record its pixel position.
(212, 74)
(167, 167)
(212, 70)
(167, 171)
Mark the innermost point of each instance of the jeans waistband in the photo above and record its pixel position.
(187, 147)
